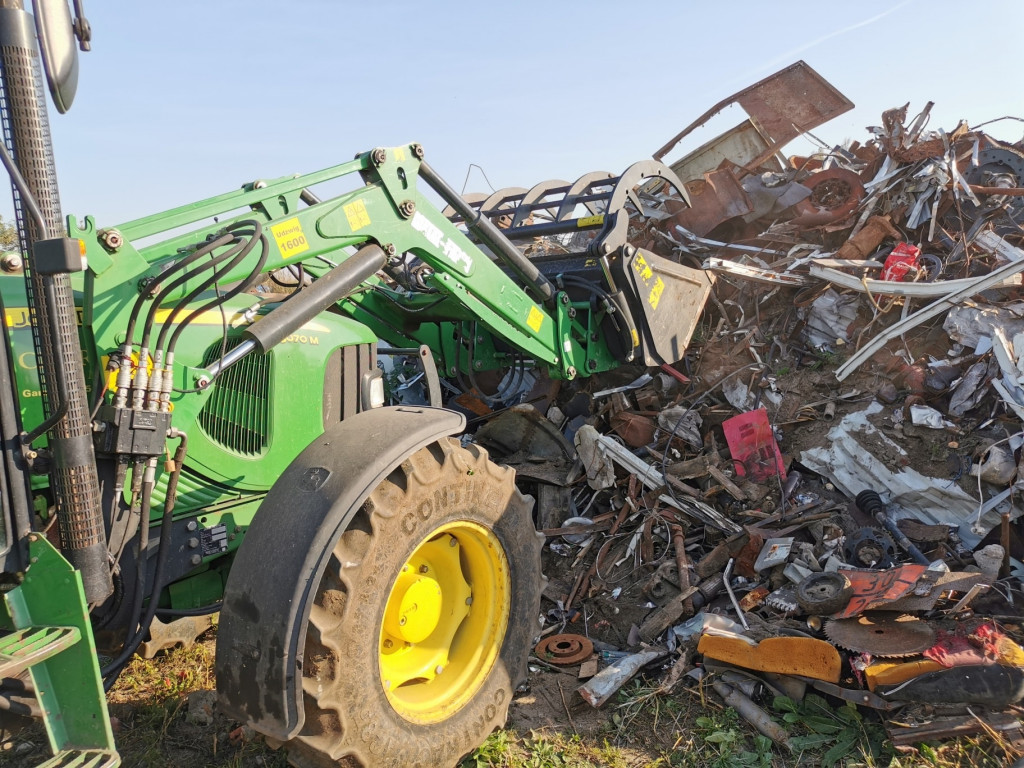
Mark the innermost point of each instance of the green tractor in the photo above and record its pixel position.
(194, 422)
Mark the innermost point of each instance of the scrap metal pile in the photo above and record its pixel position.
(823, 494)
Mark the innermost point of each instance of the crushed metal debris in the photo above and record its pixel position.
(824, 491)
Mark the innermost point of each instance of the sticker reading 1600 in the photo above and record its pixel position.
(290, 238)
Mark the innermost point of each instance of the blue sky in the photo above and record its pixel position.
(183, 100)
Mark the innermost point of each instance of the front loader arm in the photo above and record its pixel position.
(388, 209)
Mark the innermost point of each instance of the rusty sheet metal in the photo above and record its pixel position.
(784, 104)
(737, 146)
(714, 199)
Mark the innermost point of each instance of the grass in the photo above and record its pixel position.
(650, 730)
(643, 729)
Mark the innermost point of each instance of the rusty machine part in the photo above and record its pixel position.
(564, 650)
(823, 593)
(870, 548)
(882, 634)
(997, 168)
(835, 194)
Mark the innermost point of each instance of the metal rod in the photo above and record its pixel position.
(732, 595)
(491, 236)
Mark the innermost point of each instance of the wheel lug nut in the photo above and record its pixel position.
(402, 621)
(452, 541)
(388, 643)
(469, 600)
(423, 569)
(439, 670)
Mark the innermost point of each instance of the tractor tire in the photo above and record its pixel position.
(425, 616)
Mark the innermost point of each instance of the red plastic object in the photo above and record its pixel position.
(902, 261)
(755, 453)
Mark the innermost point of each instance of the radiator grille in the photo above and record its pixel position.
(237, 415)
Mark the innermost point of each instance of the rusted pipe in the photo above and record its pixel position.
(682, 562)
(1011, 191)
(752, 713)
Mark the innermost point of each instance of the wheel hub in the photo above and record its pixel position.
(444, 622)
(414, 608)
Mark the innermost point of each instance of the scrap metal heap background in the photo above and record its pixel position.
(823, 493)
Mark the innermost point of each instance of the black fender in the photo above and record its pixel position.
(273, 580)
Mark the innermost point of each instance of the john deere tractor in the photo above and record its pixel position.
(194, 422)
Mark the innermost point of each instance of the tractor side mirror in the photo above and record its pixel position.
(58, 46)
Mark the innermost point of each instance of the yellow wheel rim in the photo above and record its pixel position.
(444, 622)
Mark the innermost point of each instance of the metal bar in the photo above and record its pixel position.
(732, 595)
(555, 228)
(939, 306)
(890, 288)
(491, 236)
(754, 273)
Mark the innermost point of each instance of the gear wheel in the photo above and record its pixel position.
(882, 634)
(564, 650)
(870, 548)
(997, 166)
(821, 594)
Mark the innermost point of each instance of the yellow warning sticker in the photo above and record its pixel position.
(290, 237)
(357, 215)
(399, 155)
(643, 268)
(535, 319)
(656, 291)
(589, 221)
(636, 338)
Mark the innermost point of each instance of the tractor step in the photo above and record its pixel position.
(83, 758)
(25, 647)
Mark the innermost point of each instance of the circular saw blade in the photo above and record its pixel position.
(882, 634)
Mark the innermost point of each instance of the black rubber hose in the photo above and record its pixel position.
(140, 580)
(231, 254)
(146, 295)
(114, 668)
(626, 329)
(235, 233)
(218, 300)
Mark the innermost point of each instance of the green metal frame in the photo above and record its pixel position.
(67, 684)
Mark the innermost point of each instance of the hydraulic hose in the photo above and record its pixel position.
(235, 291)
(111, 671)
(146, 295)
(146, 494)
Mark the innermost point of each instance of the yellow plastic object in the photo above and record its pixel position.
(444, 622)
(783, 655)
(895, 672)
(1010, 654)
